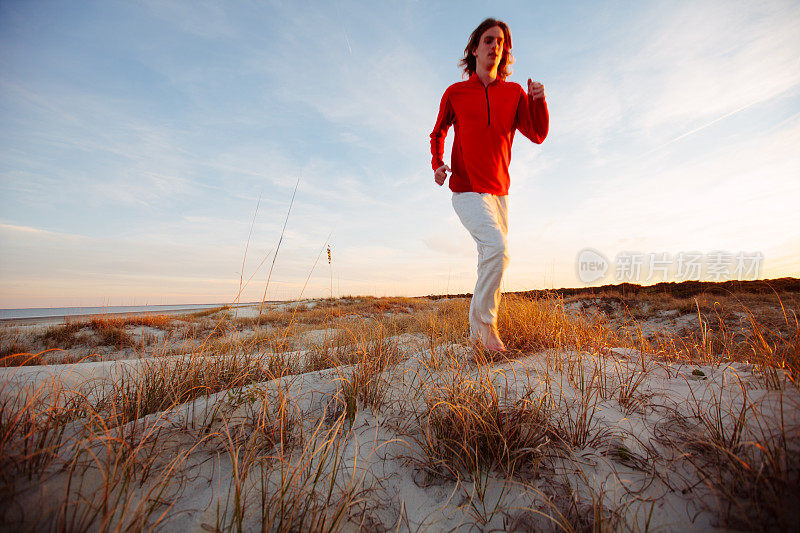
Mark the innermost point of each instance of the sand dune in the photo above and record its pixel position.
(373, 415)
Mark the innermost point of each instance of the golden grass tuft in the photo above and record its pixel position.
(62, 336)
(545, 324)
(470, 429)
(158, 384)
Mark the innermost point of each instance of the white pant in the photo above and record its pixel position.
(486, 217)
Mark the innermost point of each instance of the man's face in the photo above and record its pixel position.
(490, 48)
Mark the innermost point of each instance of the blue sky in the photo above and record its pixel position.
(137, 137)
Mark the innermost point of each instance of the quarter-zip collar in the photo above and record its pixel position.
(474, 77)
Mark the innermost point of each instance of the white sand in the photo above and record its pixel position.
(637, 470)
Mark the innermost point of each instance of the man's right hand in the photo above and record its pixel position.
(441, 174)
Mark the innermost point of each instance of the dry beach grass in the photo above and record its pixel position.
(636, 413)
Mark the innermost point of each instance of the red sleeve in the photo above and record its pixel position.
(533, 119)
(443, 121)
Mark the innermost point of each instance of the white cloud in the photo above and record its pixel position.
(11, 231)
(707, 59)
(385, 88)
(680, 65)
(739, 198)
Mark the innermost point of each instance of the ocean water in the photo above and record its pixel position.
(54, 312)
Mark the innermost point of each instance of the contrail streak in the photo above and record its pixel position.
(347, 40)
(344, 30)
(704, 126)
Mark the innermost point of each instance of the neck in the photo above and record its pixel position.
(486, 75)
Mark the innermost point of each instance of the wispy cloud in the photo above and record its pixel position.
(12, 231)
(678, 66)
(738, 197)
(705, 60)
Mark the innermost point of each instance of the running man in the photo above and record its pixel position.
(485, 111)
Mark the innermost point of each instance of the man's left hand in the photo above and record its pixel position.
(535, 89)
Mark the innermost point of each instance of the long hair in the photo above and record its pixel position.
(468, 62)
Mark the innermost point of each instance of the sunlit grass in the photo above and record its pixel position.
(225, 403)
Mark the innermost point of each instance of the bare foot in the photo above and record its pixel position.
(491, 338)
(494, 343)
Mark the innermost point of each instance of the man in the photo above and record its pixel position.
(485, 111)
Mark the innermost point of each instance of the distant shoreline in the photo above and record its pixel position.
(56, 315)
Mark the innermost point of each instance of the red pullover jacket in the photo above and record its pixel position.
(485, 119)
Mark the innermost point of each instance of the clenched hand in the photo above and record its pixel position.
(535, 89)
(441, 174)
